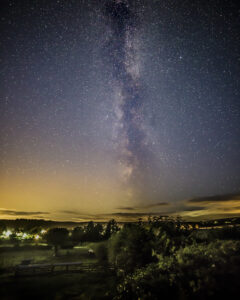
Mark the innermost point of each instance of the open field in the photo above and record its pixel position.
(80, 284)
(9, 259)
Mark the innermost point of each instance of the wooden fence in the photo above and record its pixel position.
(37, 269)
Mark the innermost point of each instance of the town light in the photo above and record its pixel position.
(24, 236)
(7, 233)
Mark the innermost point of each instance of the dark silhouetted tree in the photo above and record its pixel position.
(78, 235)
(130, 248)
(111, 228)
(14, 240)
(57, 237)
(101, 252)
(93, 233)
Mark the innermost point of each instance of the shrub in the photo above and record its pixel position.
(101, 252)
(130, 248)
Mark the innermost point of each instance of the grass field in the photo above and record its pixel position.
(9, 259)
(62, 285)
(81, 285)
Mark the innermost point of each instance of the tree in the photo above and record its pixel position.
(14, 240)
(130, 248)
(98, 229)
(78, 235)
(93, 233)
(170, 234)
(101, 252)
(198, 271)
(111, 228)
(57, 237)
(2, 226)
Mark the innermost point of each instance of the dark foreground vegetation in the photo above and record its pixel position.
(163, 258)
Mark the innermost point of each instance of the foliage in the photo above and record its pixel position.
(130, 248)
(111, 228)
(101, 252)
(198, 271)
(93, 233)
(57, 237)
(90, 233)
(202, 236)
(78, 235)
(169, 234)
(146, 283)
(226, 233)
(14, 240)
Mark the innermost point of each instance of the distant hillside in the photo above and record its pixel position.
(32, 223)
(28, 224)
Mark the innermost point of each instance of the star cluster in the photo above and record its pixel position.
(115, 103)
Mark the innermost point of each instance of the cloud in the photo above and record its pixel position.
(87, 218)
(231, 209)
(80, 216)
(12, 212)
(225, 205)
(134, 215)
(192, 208)
(70, 212)
(126, 208)
(152, 205)
(119, 216)
(216, 198)
(156, 205)
(171, 211)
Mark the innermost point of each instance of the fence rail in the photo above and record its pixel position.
(37, 269)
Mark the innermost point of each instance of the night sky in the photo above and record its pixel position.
(119, 109)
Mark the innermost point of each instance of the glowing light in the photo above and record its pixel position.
(43, 231)
(37, 237)
(7, 233)
(24, 236)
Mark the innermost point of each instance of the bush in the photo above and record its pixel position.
(101, 252)
(130, 248)
(57, 237)
(198, 271)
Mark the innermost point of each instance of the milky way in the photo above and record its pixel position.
(109, 105)
(122, 54)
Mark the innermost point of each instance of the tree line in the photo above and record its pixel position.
(165, 259)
